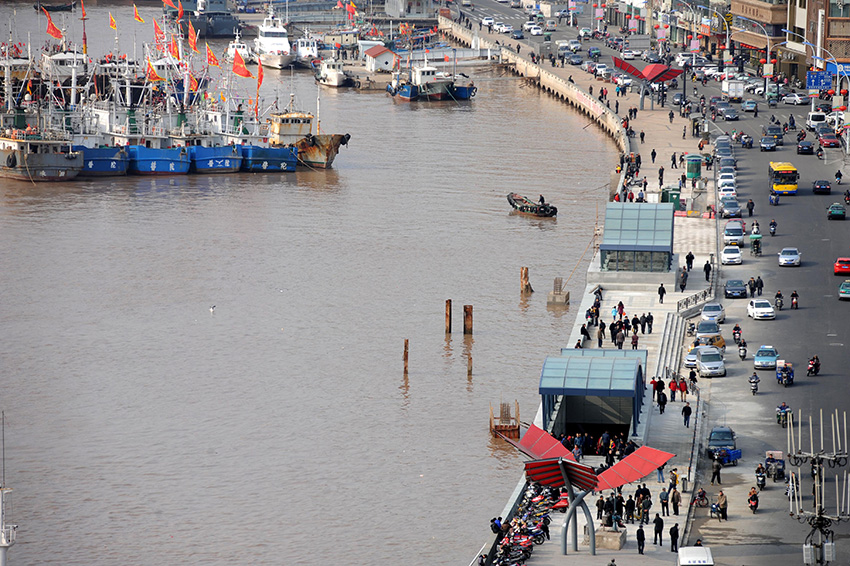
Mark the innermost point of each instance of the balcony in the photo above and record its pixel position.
(767, 13)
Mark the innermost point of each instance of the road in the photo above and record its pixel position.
(821, 326)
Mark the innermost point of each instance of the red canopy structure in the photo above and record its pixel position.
(655, 73)
(633, 467)
(551, 472)
(539, 444)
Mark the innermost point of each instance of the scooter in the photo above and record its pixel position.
(773, 229)
(742, 351)
(753, 502)
(754, 385)
(814, 368)
(691, 328)
(778, 303)
(794, 303)
(761, 480)
(736, 336)
(846, 199)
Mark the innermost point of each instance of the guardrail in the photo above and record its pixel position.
(700, 296)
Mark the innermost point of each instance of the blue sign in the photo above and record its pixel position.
(818, 80)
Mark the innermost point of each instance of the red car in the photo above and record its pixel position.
(829, 140)
(842, 265)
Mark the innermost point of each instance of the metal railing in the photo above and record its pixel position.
(699, 296)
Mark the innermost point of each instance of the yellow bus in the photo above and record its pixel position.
(782, 178)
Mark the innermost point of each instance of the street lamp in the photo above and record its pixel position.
(722, 65)
(767, 37)
(693, 13)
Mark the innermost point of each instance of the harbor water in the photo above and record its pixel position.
(278, 428)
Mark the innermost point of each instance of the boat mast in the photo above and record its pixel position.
(318, 106)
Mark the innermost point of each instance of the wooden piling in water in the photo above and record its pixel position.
(524, 285)
(405, 355)
(469, 365)
(448, 316)
(467, 319)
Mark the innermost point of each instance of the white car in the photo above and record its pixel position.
(760, 309)
(794, 98)
(731, 255)
(585, 32)
(691, 357)
(624, 80)
(574, 45)
(628, 54)
(789, 256)
(710, 363)
(725, 177)
(507, 28)
(535, 30)
(528, 25)
(727, 191)
(497, 27)
(713, 311)
(488, 21)
(600, 68)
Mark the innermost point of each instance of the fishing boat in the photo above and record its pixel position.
(424, 82)
(524, 205)
(295, 128)
(462, 88)
(210, 18)
(272, 43)
(268, 159)
(30, 155)
(237, 45)
(306, 51)
(56, 7)
(330, 72)
(103, 160)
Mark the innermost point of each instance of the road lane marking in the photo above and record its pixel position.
(836, 344)
(832, 335)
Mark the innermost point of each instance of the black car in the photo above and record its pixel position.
(575, 59)
(767, 143)
(821, 187)
(652, 57)
(730, 114)
(720, 438)
(805, 147)
(517, 34)
(825, 108)
(735, 288)
(776, 131)
(728, 162)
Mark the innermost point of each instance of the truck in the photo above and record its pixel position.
(734, 90)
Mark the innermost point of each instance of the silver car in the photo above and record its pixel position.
(730, 207)
(710, 363)
(691, 357)
(789, 256)
(715, 312)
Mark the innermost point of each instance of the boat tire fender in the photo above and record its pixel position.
(356, 84)
(345, 139)
(473, 91)
(11, 160)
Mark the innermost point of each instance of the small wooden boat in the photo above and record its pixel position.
(525, 206)
(56, 7)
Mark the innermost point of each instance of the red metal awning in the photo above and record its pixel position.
(655, 73)
(633, 467)
(538, 444)
(548, 472)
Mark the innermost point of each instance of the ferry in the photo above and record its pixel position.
(272, 43)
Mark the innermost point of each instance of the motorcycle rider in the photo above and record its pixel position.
(814, 363)
(753, 499)
(778, 298)
(847, 196)
(756, 227)
(838, 176)
(819, 152)
(736, 333)
(754, 382)
(782, 410)
(773, 224)
(795, 299)
(786, 374)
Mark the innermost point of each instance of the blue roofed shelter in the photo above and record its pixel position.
(593, 387)
(637, 237)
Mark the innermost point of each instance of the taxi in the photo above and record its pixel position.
(844, 290)
(841, 265)
(765, 357)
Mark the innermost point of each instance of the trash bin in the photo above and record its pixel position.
(665, 194)
(684, 484)
(694, 166)
(675, 196)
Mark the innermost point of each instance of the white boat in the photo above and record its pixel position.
(59, 66)
(331, 73)
(306, 51)
(237, 45)
(272, 43)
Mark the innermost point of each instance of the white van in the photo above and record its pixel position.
(815, 119)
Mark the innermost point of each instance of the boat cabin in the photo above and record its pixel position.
(289, 127)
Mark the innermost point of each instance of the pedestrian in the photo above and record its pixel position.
(630, 510)
(664, 499)
(585, 335)
(756, 111)
(674, 387)
(600, 505)
(661, 292)
(751, 284)
(686, 413)
(649, 319)
(723, 504)
(640, 537)
(660, 176)
(750, 206)
(645, 505)
(707, 269)
(634, 341)
(759, 285)
(673, 161)
(600, 335)
(662, 401)
(653, 154)
(602, 327)
(683, 280)
(616, 107)
(692, 377)
(642, 321)
(671, 115)
(715, 472)
(689, 260)
(674, 538)
(659, 530)
(621, 338)
(684, 130)
(674, 480)
(652, 387)
(683, 390)
(642, 136)
(675, 500)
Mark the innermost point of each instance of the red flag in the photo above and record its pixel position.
(193, 82)
(179, 10)
(52, 30)
(239, 67)
(259, 82)
(172, 49)
(83, 8)
(152, 75)
(137, 17)
(169, 3)
(211, 58)
(193, 38)
(339, 4)
(112, 23)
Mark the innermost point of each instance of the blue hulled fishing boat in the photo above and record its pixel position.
(103, 161)
(219, 159)
(259, 159)
(158, 161)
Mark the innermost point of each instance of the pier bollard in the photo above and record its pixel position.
(448, 316)
(558, 296)
(524, 285)
(467, 319)
(405, 355)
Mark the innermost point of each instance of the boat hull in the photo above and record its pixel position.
(40, 167)
(103, 161)
(221, 159)
(150, 161)
(335, 80)
(528, 207)
(276, 61)
(259, 159)
(319, 151)
(215, 24)
(463, 92)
